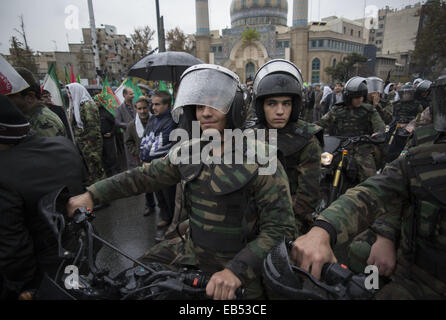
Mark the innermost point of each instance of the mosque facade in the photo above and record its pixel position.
(311, 46)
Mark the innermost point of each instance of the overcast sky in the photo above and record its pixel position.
(45, 20)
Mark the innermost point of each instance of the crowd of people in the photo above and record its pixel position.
(224, 218)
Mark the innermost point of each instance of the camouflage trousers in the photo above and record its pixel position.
(366, 158)
(179, 253)
(92, 156)
(402, 285)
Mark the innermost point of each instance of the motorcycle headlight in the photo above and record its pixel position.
(326, 158)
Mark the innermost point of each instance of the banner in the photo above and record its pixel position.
(10, 81)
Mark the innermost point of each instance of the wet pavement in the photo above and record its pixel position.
(123, 225)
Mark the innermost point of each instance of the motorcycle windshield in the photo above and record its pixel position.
(331, 144)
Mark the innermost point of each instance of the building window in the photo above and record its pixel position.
(250, 70)
(345, 30)
(316, 64)
(334, 63)
(381, 26)
(359, 34)
(313, 43)
(315, 77)
(315, 67)
(220, 49)
(320, 43)
(282, 44)
(243, 4)
(379, 34)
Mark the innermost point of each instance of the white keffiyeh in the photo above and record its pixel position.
(139, 126)
(79, 95)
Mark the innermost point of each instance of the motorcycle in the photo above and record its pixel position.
(85, 281)
(339, 169)
(286, 281)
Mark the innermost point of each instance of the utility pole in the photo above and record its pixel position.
(94, 41)
(160, 26)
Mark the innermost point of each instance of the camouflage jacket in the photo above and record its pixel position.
(300, 145)
(405, 112)
(45, 122)
(92, 125)
(385, 110)
(206, 191)
(350, 121)
(416, 179)
(422, 119)
(389, 224)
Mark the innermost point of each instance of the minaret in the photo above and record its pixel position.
(300, 13)
(203, 38)
(300, 37)
(202, 15)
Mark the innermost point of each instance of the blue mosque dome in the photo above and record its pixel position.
(259, 12)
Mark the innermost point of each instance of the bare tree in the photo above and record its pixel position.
(22, 57)
(141, 39)
(177, 40)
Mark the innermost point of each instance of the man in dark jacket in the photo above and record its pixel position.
(30, 167)
(108, 131)
(125, 114)
(133, 136)
(156, 144)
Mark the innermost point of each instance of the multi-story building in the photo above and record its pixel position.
(115, 54)
(395, 38)
(311, 46)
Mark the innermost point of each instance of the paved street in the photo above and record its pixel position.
(123, 225)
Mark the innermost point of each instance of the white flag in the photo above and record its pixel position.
(51, 84)
(10, 81)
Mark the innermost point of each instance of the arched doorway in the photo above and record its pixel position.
(250, 71)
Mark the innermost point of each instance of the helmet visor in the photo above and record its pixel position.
(375, 85)
(276, 66)
(406, 94)
(205, 87)
(439, 105)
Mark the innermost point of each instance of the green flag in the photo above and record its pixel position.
(66, 75)
(167, 87)
(133, 84)
(107, 98)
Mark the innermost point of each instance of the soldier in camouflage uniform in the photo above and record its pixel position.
(422, 93)
(417, 178)
(405, 110)
(375, 87)
(278, 101)
(44, 122)
(87, 130)
(355, 118)
(360, 251)
(386, 226)
(235, 214)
